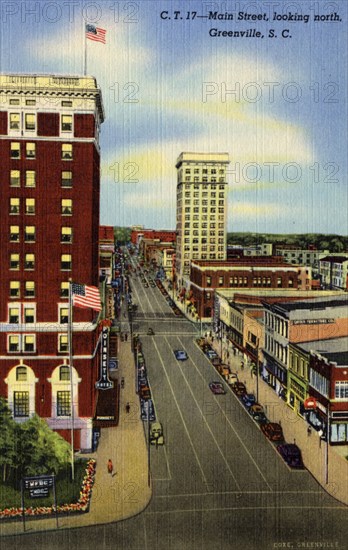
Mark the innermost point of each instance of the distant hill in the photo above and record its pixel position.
(334, 243)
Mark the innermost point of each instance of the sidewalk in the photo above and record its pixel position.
(124, 494)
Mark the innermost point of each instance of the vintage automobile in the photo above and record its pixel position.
(156, 434)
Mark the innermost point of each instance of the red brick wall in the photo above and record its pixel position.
(3, 123)
(48, 124)
(84, 125)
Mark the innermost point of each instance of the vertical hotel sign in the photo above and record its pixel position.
(104, 383)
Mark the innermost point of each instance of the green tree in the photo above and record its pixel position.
(7, 444)
(39, 450)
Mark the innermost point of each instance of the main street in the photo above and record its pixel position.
(218, 483)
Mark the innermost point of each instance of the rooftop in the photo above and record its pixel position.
(333, 349)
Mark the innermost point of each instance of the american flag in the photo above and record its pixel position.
(96, 33)
(85, 296)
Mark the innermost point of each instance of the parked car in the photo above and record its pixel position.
(273, 431)
(224, 370)
(217, 388)
(211, 354)
(239, 389)
(258, 413)
(147, 409)
(248, 400)
(144, 392)
(232, 378)
(291, 454)
(180, 355)
(156, 434)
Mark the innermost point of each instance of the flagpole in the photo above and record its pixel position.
(70, 325)
(84, 48)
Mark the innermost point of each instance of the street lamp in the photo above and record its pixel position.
(257, 370)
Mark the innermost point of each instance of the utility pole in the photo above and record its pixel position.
(257, 370)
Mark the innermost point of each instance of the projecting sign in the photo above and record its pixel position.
(104, 383)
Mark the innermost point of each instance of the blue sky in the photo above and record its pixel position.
(166, 88)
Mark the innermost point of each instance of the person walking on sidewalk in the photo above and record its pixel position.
(110, 466)
(127, 408)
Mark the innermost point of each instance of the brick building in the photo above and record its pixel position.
(49, 192)
(263, 272)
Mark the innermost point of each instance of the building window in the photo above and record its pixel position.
(29, 343)
(14, 101)
(21, 374)
(64, 289)
(66, 235)
(30, 150)
(66, 179)
(30, 233)
(341, 390)
(221, 281)
(208, 280)
(29, 261)
(14, 205)
(29, 315)
(279, 282)
(30, 102)
(13, 343)
(14, 233)
(15, 150)
(63, 403)
(14, 261)
(63, 315)
(66, 207)
(66, 123)
(63, 348)
(14, 289)
(67, 151)
(14, 121)
(30, 206)
(15, 178)
(66, 103)
(13, 315)
(20, 404)
(64, 372)
(30, 178)
(30, 121)
(65, 262)
(29, 291)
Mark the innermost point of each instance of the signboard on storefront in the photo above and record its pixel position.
(104, 383)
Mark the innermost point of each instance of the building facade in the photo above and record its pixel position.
(333, 272)
(50, 183)
(201, 212)
(244, 273)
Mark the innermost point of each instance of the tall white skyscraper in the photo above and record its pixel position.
(201, 209)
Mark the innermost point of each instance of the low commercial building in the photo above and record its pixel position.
(244, 273)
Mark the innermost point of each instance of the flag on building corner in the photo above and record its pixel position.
(85, 296)
(95, 33)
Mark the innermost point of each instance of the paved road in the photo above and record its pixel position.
(217, 482)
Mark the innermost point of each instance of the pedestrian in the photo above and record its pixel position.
(242, 365)
(110, 466)
(127, 408)
(126, 336)
(309, 430)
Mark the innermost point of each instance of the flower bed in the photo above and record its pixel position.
(81, 505)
